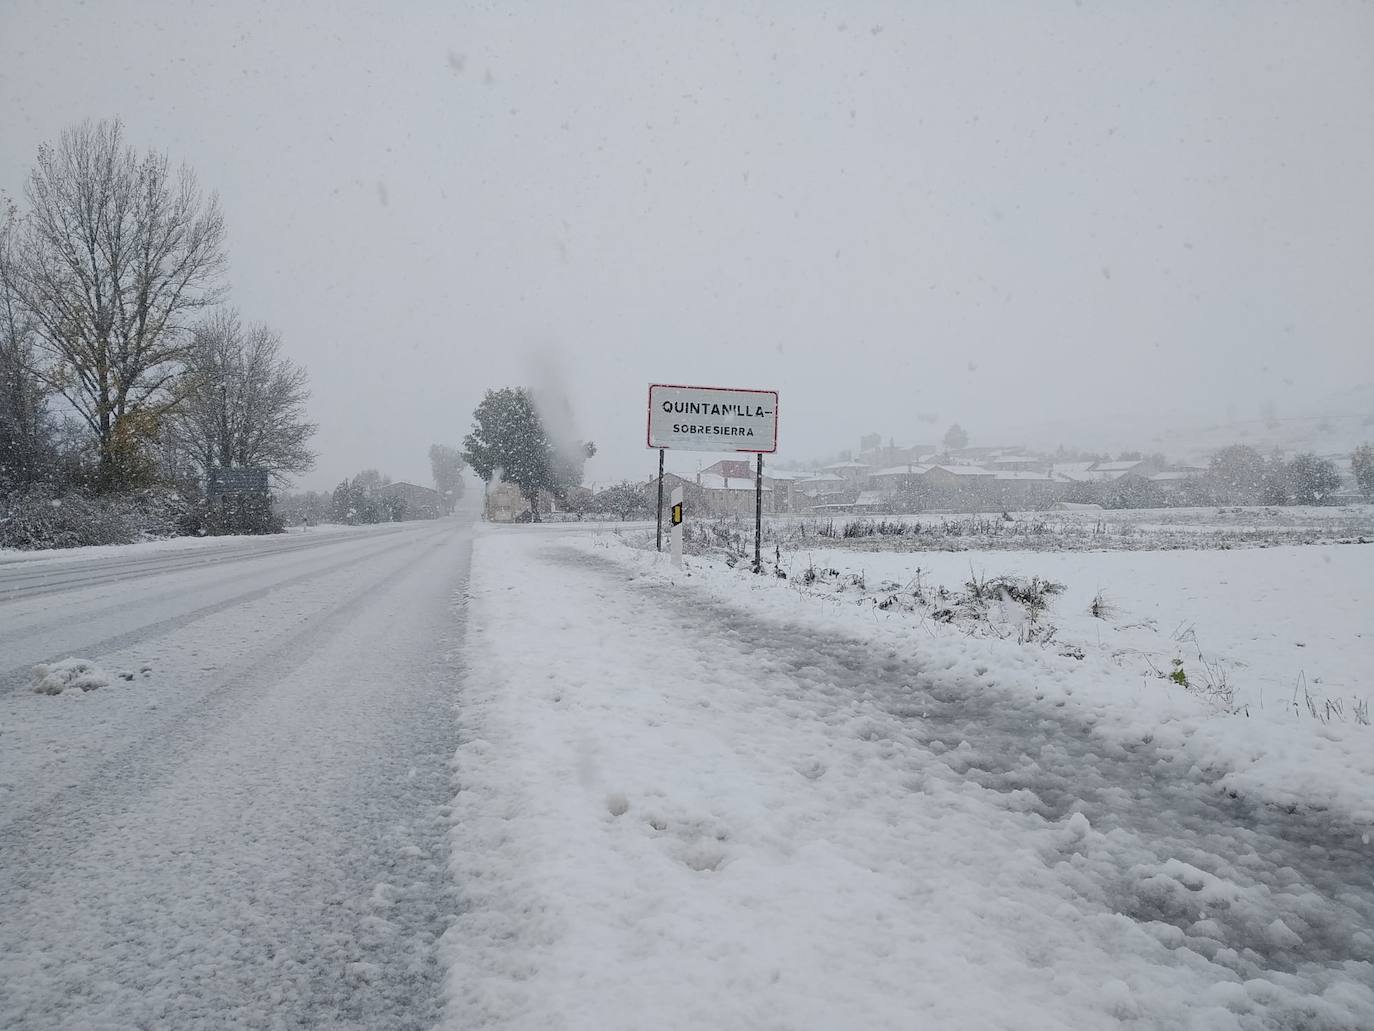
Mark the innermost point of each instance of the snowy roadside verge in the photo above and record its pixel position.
(665, 821)
(1264, 617)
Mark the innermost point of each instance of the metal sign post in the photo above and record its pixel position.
(758, 517)
(658, 546)
(677, 527)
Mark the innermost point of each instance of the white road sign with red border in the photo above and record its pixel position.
(712, 419)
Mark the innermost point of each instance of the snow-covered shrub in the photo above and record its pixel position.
(1033, 593)
(235, 516)
(43, 518)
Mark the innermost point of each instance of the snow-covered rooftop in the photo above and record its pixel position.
(1117, 467)
(903, 470)
(965, 470)
(1081, 472)
(711, 481)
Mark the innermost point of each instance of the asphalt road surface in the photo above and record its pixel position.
(246, 827)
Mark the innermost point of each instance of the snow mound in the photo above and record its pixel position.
(69, 675)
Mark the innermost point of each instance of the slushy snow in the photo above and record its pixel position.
(69, 675)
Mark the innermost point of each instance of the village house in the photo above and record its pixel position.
(897, 479)
(416, 502)
(724, 495)
(503, 502)
(884, 456)
(851, 472)
(1018, 463)
(1011, 489)
(692, 499)
(821, 489)
(786, 495)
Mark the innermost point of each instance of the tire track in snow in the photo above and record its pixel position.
(138, 768)
(25, 584)
(272, 856)
(18, 677)
(1267, 892)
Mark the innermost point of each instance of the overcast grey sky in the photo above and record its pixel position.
(995, 213)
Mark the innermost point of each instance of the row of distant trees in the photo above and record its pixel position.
(1362, 465)
(356, 500)
(364, 499)
(1242, 475)
(121, 367)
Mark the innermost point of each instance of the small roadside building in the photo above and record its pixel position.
(504, 502)
(416, 502)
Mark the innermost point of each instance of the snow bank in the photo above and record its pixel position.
(1275, 644)
(69, 675)
(672, 813)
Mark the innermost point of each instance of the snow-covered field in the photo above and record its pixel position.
(709, 799)
(1134, 529)
(1282, 630)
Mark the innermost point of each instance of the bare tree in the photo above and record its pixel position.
(243, 404)
(25, 428)
(117, 251)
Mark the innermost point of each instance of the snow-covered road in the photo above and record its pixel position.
(249, 831)
(332, 780)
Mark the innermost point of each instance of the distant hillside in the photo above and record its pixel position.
(1332, 426)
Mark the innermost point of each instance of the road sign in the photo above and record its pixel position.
(712, 419)
(250, 480)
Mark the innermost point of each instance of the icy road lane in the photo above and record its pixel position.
(250, 831)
